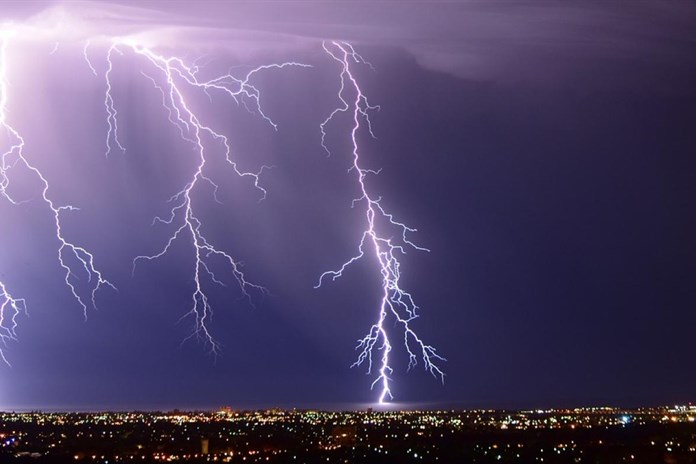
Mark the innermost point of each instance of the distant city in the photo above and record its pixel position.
(592, 435)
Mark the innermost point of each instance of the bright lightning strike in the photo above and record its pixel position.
(396, 303)
(176, 79)
(10, 308)
(74, 259)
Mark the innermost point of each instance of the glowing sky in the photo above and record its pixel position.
(544, 153)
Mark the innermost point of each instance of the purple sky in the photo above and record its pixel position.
(543, 152)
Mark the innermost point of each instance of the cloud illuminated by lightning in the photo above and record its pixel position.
(396, 303)
(177, 83)
(77, 261)
(173, 78)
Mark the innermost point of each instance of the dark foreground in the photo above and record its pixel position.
(591, 435)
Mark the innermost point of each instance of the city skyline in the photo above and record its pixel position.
(661, 434)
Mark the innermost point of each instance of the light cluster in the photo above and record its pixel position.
(556, 435)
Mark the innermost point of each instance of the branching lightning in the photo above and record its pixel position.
(177, 78)
(10, 307)
(178, 84)
(74, 259)
(396, 303)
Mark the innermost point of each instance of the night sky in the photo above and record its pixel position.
(546, 153)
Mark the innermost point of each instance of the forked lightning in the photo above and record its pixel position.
(396, 303)
(74, 259)
(173, 78)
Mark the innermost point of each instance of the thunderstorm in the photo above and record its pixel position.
(177, 81)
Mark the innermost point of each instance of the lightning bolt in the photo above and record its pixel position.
(396, 303)
(176, 78)
(10, 308)
(74, 259)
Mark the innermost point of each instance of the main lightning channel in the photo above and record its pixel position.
(11, 158)
(396, 303)
(175, 79)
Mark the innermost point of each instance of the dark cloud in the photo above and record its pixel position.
(544, 152)
(500, 40)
